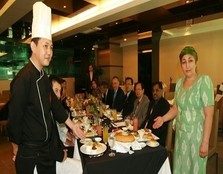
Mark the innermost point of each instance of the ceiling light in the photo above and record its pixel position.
(146, 51)
(92, 30)
(64, 6)
(125, 39)
(2, 54)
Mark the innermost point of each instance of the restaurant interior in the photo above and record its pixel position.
(141, 39)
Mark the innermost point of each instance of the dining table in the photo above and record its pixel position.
(152, 160)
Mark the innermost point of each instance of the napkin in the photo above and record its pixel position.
(126, 147)
(122, 147)
(136, 145)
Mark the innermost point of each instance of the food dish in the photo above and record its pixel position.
(153, 143)
(119, 118)
(90, 133)
(124, 137)
(86, 140)
(93, 149)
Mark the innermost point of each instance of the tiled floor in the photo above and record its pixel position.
(7, 165)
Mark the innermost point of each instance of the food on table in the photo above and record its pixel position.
(90, 133)
(148, 135)
(124, 137)
(153, 143)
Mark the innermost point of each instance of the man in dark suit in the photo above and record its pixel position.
(129, 97)
(158, 107)
(116, 96)
(89, 77)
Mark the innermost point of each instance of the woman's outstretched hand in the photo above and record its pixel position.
(158, 122)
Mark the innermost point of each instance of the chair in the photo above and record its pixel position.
(169, 95)
(170, 140)
(3, 125)
(214, 137)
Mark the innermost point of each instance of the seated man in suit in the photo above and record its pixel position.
(129, 97)
(141, 103)
(159, 106)
(103, 86)
(116, 96)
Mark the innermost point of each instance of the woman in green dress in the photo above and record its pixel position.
(193, 108)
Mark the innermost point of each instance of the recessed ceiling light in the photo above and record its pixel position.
(116, 23)
(64, 6)
(125, 39)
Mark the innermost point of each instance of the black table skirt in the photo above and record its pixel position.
(146, 161)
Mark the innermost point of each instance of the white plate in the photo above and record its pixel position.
(91, 134)
(153, 145)
(83, 141)
(141, 140)
(142, 144)
(101, 148)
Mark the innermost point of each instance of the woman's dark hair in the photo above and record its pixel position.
(55, 78)
(188, 50)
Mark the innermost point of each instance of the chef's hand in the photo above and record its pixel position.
(78, 131)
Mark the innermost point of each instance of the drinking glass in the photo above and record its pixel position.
(127, 122)
(111, 142)
(105, 134)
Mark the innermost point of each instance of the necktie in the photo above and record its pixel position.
(114, 96)
(136, 107)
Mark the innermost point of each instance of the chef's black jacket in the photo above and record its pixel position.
(31, 103)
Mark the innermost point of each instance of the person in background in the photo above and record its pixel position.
(68, 165)
(129, 97)
(193, 108)
(141, 104)
(159, 106)
(95, 91)
(33, 106)
(89, 77)
(64, 89)
(104, 92)
(65, 136)
(116, 97)
(64, 96)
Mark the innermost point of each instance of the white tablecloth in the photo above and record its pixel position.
(165, 169)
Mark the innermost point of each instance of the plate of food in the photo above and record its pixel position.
(90, 133)
(86, 140)
(153, 143)
(93, 148)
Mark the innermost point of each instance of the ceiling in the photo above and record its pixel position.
(132, 16)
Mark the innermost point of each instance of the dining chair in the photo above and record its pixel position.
(170, 141)
(168, 95)
(214, 138)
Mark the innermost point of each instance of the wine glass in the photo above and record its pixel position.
(111, 142)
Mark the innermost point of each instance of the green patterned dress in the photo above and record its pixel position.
(189, 125)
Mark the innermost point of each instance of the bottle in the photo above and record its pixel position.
(135, 124)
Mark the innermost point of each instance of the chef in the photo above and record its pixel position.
(33, 106)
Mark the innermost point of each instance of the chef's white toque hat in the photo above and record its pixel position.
(41, 26)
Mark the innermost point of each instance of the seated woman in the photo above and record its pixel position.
(95, 91)
(69, 165)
